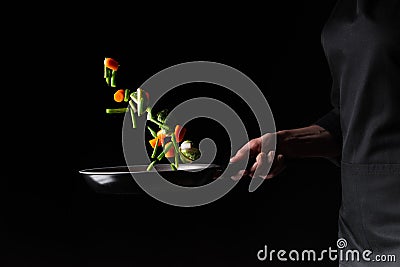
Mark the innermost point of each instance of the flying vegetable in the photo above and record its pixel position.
(167, 141)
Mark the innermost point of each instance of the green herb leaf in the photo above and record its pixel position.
(162, 115)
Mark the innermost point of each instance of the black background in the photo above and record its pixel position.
(54, 219)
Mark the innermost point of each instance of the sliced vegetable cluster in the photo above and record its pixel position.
(167, 141)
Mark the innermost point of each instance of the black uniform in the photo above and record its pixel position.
(361, 40)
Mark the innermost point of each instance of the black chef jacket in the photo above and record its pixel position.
(361, 40)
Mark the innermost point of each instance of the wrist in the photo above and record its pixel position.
(282, 143)
(311, 141)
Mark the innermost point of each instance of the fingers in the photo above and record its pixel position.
(261, 167)
(277, 167)
(241, 154)
(239, 175)
(263, 161)
(250, 149)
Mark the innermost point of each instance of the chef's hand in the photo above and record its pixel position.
(263, 154)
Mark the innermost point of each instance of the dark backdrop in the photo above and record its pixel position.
(54, 219)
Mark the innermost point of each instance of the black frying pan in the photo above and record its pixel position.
(119, 180)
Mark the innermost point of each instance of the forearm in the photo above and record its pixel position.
(311, 141)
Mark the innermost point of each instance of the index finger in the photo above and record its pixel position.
(241, 154)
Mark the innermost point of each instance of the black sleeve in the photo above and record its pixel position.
(331, 123)
(331, 120)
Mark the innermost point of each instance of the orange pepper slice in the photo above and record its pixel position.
(171, 152)
(111, 63)
(179, 133)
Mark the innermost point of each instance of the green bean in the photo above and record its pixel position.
(107, 74)
(126, 96)
(113, 78)
(134, 97)
(140, 102)
(133, 118)
(151, 165)
(153, 133)
(116, 110)
(162, 126)
(173, 167)
(173, 139)
(149, 115)
(132, 105)
(166, 148)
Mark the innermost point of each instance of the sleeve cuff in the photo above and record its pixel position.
(331, 123)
